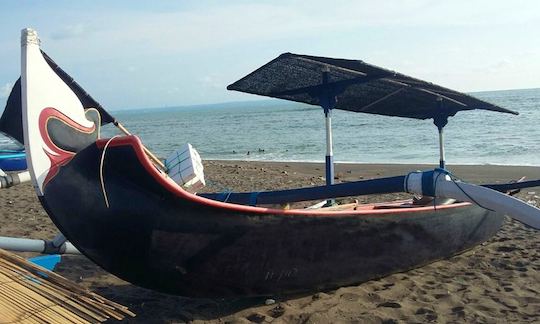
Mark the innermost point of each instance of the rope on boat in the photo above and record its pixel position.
(454, 178)
(225, 195)
(102, 180)
(429, 185)
(435, 186)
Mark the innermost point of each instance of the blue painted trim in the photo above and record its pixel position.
(428, 188)
(347, 189)
(253, 198)
(221, 196)
(12, 161)
(48, 262)
(329, 170)
(12, 155)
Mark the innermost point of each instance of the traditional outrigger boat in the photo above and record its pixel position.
(124, 213)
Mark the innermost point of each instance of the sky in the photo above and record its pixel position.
(132, 54)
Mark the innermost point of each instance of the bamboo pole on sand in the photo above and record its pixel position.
(31, 294)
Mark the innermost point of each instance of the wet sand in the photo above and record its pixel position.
(496, 282)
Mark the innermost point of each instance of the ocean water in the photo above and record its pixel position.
(275, 130)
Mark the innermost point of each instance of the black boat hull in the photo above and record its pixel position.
(158, 236)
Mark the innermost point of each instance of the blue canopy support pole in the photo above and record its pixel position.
(440, 120)
(329, 150)
(327, 100)
(441, 149)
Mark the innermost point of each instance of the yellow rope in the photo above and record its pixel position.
(102, 180)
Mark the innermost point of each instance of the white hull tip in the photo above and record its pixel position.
(29, 36)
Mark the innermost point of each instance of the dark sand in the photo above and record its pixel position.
(496, 282)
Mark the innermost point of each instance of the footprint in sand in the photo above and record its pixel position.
(427, 313)
(389, 321)
(422, 311)
(349, 297)
(388, 285)
(507, 248)
(390, 304)
(256, 318)
(458, 311)
(276, 311)
(373, 297)
(440, 296)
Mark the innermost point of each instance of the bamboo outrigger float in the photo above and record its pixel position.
(111, 201)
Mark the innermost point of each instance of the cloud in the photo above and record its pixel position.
(71, 31)
(500, 65)
(212, 81)
(214, 27)
(203, 46)
(5, 90)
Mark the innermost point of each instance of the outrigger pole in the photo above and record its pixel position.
(10, 180)
(58, 245)
(151, 155)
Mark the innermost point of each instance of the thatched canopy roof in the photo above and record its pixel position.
(357, 86)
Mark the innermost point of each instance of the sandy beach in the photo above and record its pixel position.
(496, 282)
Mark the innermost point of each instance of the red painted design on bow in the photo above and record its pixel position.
(57, 156)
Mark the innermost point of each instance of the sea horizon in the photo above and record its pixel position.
(282, 131)
(270, 101)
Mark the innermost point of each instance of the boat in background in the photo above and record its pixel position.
(128, 216)
(13, 160)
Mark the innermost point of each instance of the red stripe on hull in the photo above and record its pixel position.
(135, 142)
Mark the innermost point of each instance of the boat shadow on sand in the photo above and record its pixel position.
(505, 267)
(151, 306)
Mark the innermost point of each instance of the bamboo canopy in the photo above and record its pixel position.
(356, 86)
(31, 294)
